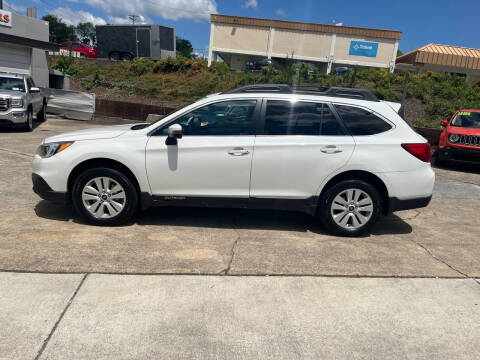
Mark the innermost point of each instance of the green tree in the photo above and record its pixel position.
(184, 48)
(87, 33)
(399, 53)
(59, 31)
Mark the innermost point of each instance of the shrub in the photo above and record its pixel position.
(219, 68)
(170, 64)
(140, 66)
(66, 64)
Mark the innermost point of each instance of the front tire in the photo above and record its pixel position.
(28, 126)
(104, 196)
(350, 208)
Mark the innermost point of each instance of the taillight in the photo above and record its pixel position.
(420, 151)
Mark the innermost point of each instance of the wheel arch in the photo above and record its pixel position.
(101, 162)
(366, 176)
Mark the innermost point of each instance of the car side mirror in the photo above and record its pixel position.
(34, 90)
(175, 132)
(443, 122)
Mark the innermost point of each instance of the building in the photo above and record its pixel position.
(24, 44)
(240, 39)
(124, 42)
(443, 58)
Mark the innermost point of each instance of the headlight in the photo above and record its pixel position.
(17, 103)
(453, 138)
(50, 149)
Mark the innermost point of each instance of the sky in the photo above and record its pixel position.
(450, 22)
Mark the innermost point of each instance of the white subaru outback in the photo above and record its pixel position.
(338, 154)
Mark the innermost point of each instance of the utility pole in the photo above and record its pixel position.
(131, 17)
(1, 4)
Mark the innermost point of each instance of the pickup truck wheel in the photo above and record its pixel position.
(28, 126)
(350, 208)
(104, 196)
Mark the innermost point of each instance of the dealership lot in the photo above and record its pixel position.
(440, 240)
(71, 290)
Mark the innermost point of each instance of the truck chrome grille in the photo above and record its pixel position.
(470, 140)
(4, 104)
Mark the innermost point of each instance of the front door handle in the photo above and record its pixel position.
(238, 151)
(331, 149)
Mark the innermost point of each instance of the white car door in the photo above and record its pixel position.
(212, 159)
(302, 144)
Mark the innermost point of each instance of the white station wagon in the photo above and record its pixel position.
(338, 154)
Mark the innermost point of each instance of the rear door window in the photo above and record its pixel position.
(284, 117)
(360, 121)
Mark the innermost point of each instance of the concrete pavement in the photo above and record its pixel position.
(440, 240)
(231, 317)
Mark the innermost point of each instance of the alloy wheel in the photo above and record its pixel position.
(103, 197)
(351, 209)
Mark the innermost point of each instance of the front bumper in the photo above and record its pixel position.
(459, 154)
(42, 189)
(13, 117)
(396, 204)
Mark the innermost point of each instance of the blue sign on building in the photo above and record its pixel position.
(363, 48)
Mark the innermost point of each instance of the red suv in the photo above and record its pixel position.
(460, 141)
(79, 47)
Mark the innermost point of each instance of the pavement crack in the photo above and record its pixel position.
(444, 262)
(46, 341)
(232, 251)
(17, 153)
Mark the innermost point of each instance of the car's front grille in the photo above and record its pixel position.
(4, 104)
(470, 140)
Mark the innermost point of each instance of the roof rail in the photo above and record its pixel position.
(350, 93)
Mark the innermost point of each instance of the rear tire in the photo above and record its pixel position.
(127, 57)
(104, 196)
(114, 56)
(350, 208)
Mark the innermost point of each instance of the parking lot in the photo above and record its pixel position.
(438, 241)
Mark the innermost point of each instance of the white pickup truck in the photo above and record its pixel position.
(20, 101)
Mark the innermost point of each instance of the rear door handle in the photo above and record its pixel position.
(331, 149)
(238, 151)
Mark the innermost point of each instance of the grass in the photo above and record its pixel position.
(431, 96)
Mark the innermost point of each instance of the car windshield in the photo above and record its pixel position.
(467, 119)
(14, 84)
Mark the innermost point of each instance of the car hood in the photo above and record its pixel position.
(11, 93)
(463, 130)
(106, 132)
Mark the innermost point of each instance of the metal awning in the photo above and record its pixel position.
(19, 40)
(455, 56)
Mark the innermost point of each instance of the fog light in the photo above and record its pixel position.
(19, 115)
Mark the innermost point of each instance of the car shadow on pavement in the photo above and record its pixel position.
(224, 218)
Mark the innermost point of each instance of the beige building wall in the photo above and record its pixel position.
(384, 54)
(241, 38)
(301, 44)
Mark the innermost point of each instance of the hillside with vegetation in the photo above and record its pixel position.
(177, 82)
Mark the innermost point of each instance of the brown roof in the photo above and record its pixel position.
(447, 55)
(292, 25)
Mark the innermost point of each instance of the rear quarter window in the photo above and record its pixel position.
(360, 121)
